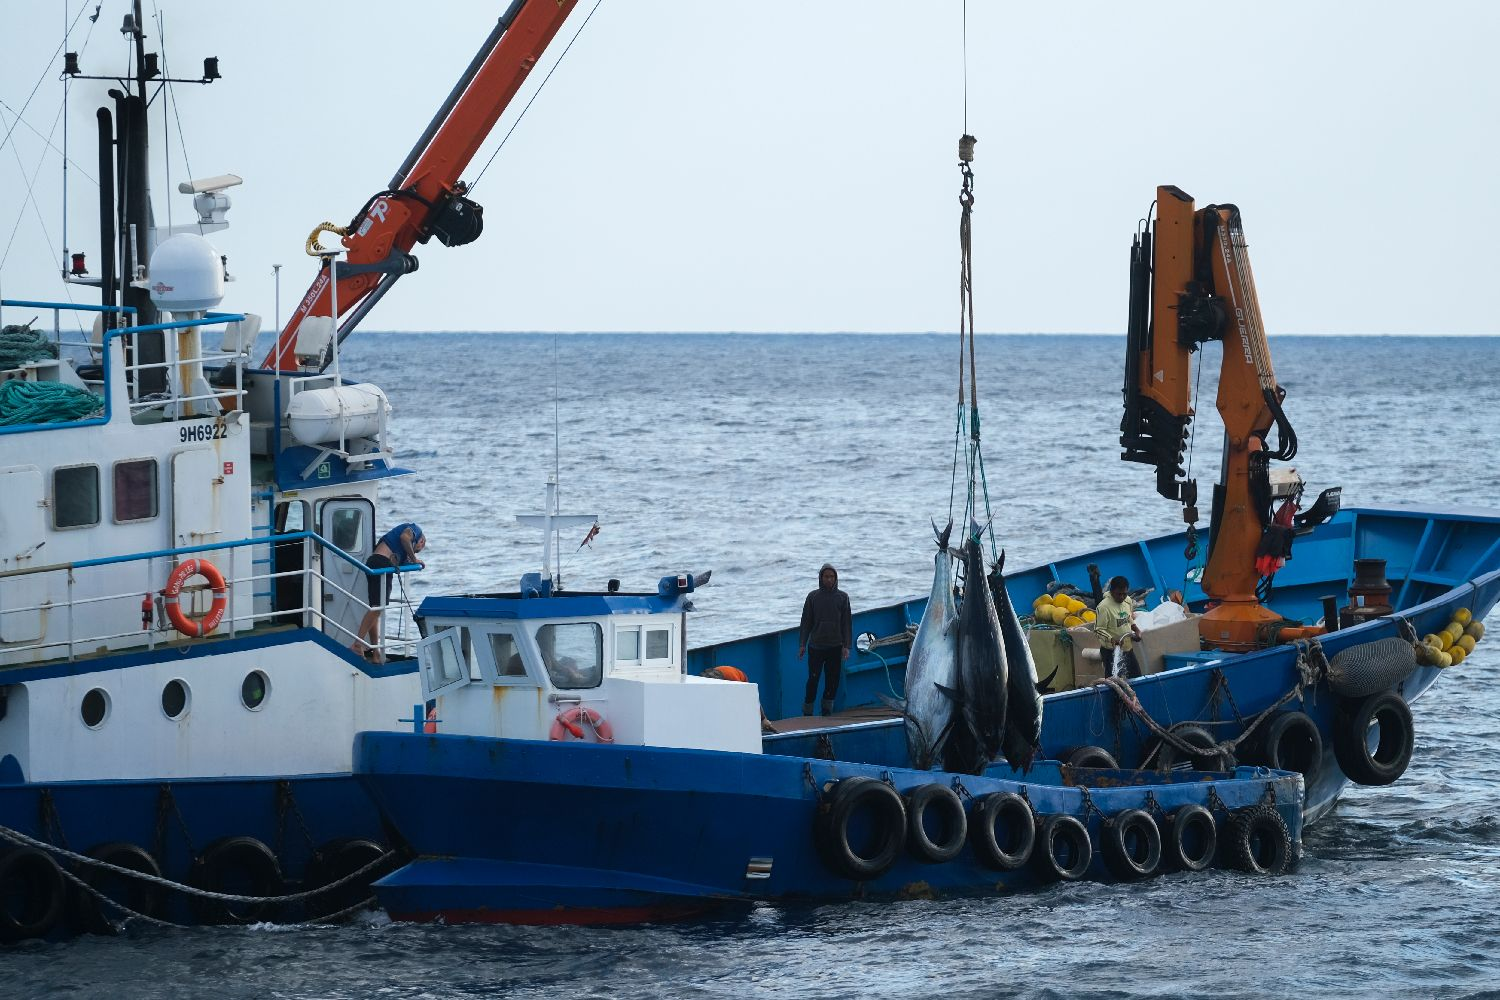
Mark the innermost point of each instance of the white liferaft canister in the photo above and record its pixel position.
(318, 416)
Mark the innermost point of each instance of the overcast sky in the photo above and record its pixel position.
(707, 165)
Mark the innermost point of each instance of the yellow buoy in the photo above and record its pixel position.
(1444, 659)
(1458, 653)
(1475, 629)
(1043, 599)
(1088, 615)
(1463, 616)
(1431, 639)
(1061, 600)
(1072, 621)
(1466, 643)
(1444, 640)
(1075, 606)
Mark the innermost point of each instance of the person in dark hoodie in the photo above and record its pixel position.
(826, 631)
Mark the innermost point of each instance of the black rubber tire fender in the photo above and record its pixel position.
(1063, 849)
(1089, 756)
(89, 915)
(337, 860)
(1259, 842)
(887, 819)
(1351, 725)
(1169, 757)
(1132, 845)
(1191, 840)
(943, 802)
(1292, 742)
(33, 894)
(241, 866)
(1002, 831)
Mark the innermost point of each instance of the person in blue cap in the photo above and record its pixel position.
(397, 547)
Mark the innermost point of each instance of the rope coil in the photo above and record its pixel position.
(26, 402)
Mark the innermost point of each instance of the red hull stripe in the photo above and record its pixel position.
(562, 915)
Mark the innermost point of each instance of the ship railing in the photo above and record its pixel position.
(179, 397)
(82, 609)
(237, 340)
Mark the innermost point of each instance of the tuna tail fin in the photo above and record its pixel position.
(942, 536)
(1044, 686)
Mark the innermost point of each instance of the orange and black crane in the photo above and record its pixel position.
(1190, 283)
(425, 198)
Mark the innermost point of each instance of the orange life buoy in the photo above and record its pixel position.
(185, 571)
(566, 725)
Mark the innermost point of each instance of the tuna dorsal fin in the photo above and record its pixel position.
(952, 694)
(1043, 686)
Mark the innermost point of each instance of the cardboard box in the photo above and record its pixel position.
(1156, 643)
(1050, 650)
(1087, 670)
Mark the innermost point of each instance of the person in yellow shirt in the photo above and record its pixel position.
(1115, 623)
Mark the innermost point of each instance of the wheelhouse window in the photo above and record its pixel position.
(508, 664)
(644, 645)
(573, 654)
(442, 662)
(135, 492)
(627, 645)
(658, 643)
(75, 496)
(348, 529)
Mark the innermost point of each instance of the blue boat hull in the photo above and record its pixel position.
(177, 822)
(521, 831)
(1436, 561)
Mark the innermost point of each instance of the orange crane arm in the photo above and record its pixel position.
(425, 198)
(1191, 283)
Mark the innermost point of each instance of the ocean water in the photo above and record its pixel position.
(761, 457)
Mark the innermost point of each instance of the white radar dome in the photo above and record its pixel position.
(186, 274)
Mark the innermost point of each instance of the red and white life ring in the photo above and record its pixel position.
(185, 571)
(567, 726)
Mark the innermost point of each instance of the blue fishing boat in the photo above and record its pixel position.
(578, 775)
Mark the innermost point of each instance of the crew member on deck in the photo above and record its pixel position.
(397, 547)
(827, 629)
(1115, 624)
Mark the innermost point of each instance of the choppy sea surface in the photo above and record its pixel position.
(761, 457)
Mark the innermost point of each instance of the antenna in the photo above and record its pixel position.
(552, 523)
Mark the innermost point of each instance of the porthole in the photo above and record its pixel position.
(95, 708)
(255, 690)
(175, 699)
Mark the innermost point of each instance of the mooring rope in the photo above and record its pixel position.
(17, 837)
(1312, 664)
